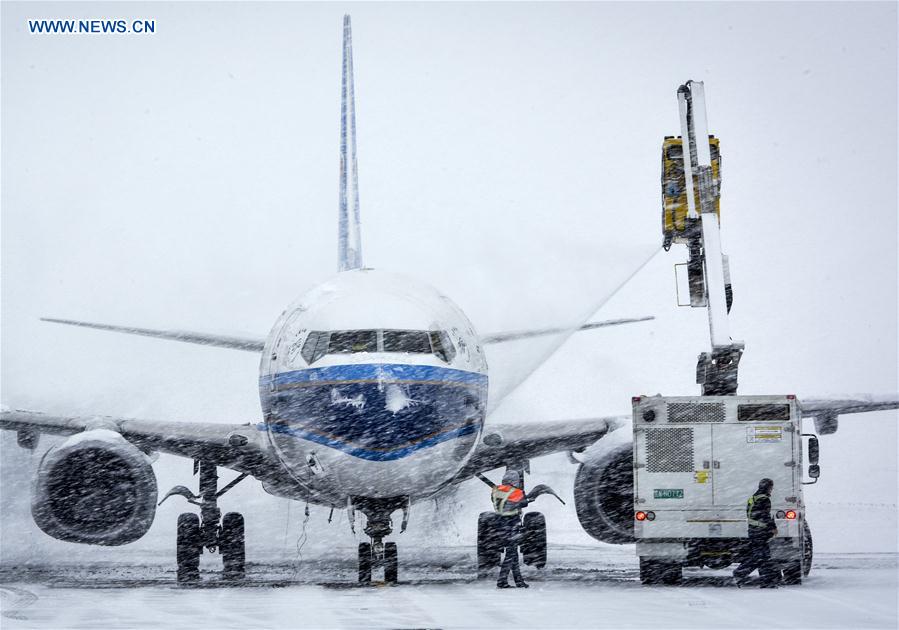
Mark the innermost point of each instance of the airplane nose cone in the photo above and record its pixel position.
(377, 429)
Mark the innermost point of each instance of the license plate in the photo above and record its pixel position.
(667, 494)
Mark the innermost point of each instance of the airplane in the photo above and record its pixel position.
(373, 389)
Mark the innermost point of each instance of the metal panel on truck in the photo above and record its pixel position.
(669, 459)
(743, 454)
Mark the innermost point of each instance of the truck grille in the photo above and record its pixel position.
(696, 412)
(669, 450)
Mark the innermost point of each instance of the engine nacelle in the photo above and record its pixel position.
(604, 495)
(827, 423)
(96, 488)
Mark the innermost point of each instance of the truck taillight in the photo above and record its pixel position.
(650, 516)
(640, 516)
(791, 514)
(780, 514)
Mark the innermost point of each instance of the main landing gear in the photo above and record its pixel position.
(492, 542)
(377, 553)
(493, 529)
(209, 529)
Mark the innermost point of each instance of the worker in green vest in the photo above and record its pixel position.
(762, 529)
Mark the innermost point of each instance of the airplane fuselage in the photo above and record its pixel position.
(372, 385)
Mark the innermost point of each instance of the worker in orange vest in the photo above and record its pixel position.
(508, 500)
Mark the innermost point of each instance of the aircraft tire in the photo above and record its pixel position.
(364, 563)
(489, 544)
(189, 547)
(533, 539)
(233, 546)
(391, 563)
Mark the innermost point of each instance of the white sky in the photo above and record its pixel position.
(508, 153)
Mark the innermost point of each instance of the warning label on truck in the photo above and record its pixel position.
(764, 434)
(667, 494)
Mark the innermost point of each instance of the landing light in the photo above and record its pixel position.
(640, 516)
(791, 514)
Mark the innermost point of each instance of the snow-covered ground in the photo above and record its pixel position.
(581, 587)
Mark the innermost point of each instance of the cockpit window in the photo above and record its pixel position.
(316, 345)
(442, 345)
(321, 342)
(416, 341)
(352, 341)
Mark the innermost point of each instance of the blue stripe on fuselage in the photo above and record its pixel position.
(362, 453)
(376, 371)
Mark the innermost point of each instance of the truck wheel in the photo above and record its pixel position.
(659, 571)
(799, 567)
(391, 563)
(489, 544)
(189, 548)
(364, 563)
(647, 571)
(671, 573)
(806, 549)
(793, 572)
(231, 543)
(533, 540)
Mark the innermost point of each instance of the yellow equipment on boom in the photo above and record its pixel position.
(675, 225)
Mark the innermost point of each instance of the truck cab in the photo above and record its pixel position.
(697, 460)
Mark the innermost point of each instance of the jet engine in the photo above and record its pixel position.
(96, 488)
(604, 495)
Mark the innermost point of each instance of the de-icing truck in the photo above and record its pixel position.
(698, 459)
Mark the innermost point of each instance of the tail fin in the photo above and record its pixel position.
(349, 230)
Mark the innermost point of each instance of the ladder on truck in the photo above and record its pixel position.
(698, 227)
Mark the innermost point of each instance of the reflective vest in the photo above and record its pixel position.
(502, 496)
(749, 505)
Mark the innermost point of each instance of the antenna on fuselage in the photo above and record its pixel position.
(349, 230)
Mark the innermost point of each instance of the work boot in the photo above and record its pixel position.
(768, 586)
(522, 584)
(502, 585)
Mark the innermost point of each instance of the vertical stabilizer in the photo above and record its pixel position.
(349, 231)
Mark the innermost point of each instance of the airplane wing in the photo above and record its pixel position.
(256, 344)
(827, 412)
(814, 407)
(235, 446)
(515, 335)
(221, 341)
(503, 445)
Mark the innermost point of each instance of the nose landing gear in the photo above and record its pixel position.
(208, 529)
(378, 526)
